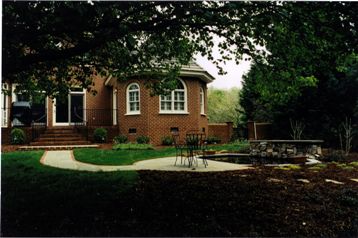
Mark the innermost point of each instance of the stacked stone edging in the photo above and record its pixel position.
(285, 148)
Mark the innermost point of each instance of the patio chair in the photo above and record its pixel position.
(196, 146)
(179, 148)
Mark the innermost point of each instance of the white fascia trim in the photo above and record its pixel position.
(206, 77)
(132, 114)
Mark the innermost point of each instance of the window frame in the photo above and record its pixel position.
(202, 101)
(4, 102)
(128, 91)
(173, 101)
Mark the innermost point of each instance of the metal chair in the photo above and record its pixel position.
(179, 147)
(196, 146)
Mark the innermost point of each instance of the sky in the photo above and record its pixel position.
(233, 78)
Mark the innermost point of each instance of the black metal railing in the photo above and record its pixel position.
(86, 118)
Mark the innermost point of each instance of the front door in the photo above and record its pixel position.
(69, 110)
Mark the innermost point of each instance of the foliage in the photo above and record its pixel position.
(18, 136)
(167, 140)
(120, 139)
(131, 146)
(143, 140)
(223, 105)
(244, 149)
(100, 135)
(55, 45)
(347, 130)
(310, 70)
(213, 140)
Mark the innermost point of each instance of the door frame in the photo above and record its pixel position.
(69, 123)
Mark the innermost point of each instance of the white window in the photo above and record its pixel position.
(175, 101)
(202, 98)
(133, 99)
(4, 106)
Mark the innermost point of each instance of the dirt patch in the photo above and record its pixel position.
(9, 148)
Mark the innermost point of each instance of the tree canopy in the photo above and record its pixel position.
(55, 45)
(310, 74)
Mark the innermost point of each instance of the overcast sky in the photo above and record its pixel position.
(234, 74)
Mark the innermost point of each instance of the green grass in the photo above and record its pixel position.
(132, 146)
(128, 157)
(119, 157)
(42, 194)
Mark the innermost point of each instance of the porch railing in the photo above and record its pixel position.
(86, 118)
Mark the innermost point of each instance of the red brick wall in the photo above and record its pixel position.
(155, 125)
(224, 131)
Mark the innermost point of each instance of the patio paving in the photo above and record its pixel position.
(65, 159)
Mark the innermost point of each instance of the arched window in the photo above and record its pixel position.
(133, 99)
(202, 101)
(175, 101)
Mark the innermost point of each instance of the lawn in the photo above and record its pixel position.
(42, 201)
(127, 157)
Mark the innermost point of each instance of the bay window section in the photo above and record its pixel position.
(176, 101)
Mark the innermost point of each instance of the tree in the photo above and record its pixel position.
(55, 45)
(223, 105)
(310, 74)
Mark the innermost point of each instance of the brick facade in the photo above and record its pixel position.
(154, 124)
(224, 131)
(150, 122)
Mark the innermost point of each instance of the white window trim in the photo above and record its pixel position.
(128, 112)
(202, 101)
(173, 111)
(114, 106)
(4, 111)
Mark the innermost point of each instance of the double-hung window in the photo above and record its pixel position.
(202, 101)
(133, 99)
(175, 101)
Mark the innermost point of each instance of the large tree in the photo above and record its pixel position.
(53, 45)
(310, 74)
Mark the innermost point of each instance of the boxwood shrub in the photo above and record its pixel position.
(18, 136)
(100, 135)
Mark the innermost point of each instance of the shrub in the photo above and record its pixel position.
(334, 156)
(142, 140)
(18, 136)
(167, 140)
(100, 135)
(213, 140)
(120, 139)
(244, 149)
(131, 146)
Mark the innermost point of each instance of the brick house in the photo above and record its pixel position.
(122, 107)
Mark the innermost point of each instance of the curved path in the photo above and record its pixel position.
(65, 159)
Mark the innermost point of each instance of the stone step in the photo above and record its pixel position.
(50, 143)
(56, 147)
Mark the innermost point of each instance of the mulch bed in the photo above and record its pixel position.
(261, 202)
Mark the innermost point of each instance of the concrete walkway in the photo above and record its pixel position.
(65, 159)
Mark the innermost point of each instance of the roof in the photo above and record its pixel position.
(190, 70)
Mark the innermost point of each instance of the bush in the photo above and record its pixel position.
(167, 140)
(244, 149)
(100, 135)
(120, 139)
(213, 140)
(142, 140)
(18, 136)
(334, 156)
(131, 146)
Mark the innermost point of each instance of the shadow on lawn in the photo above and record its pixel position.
(41, 201)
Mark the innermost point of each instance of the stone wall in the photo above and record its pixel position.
(285, 148)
